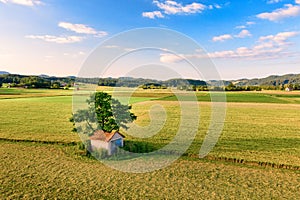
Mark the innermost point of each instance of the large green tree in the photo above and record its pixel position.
(104, 113)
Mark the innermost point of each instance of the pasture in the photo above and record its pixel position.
(260, 127)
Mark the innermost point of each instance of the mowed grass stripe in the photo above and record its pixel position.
(43, 171)
(14, 93)
(254, 132)
(247, 97)
(40, 118)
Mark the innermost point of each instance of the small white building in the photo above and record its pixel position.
(109, 141)
(288, 89)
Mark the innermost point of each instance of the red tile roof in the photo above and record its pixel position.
(104, 136)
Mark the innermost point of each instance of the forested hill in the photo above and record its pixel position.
(133, 82)
(270, 80)
(136, 82)
(44, 81)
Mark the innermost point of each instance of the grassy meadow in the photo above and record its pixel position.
(261, 128)
(38, 171)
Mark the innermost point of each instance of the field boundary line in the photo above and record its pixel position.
(251, 163)
(26, 97)
(40, 141)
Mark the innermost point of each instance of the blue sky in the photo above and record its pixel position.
(249, 38)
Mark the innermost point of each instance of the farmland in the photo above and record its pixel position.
(43, 171)
(260, 127)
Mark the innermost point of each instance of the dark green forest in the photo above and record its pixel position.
(15, 80)
(290, 81)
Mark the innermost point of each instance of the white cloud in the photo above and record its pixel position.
(297, 1)
(23, 2)
(279, 38)
(273, 1)
(81, 28)
(244, 33)
(267, 47)
(119, 47)
(246, 25)
(170, 58)
(152, 15)
(221, 38)
(240, 27)
(270, 46)
(172, 7)
(222, 54)
(111, 46)
(289, 10)
(250, 23)
(78, 28)
(74, 54)
(57, 39)
(101, 34)
(217, 6)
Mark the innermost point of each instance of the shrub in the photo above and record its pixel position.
(100, 153)
(138, 147)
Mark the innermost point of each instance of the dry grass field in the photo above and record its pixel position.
(32, 171)
(259, 136)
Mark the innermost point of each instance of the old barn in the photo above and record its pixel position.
(109, 141)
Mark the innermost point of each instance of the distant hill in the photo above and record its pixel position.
(136, 82)
(44, 76)
(270, 82)
(273, 80)
(218, 83)
(3, 72)
(31, 81)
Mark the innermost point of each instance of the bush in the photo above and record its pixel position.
(100, 153)
(138, 147)
(85, 148)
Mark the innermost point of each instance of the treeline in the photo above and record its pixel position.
(229, 87)
(280, 83)
(190, 84)
(148, 83)
(13, 80)
(232, 87)
(153, 86)
(277, 81)
(289, 87)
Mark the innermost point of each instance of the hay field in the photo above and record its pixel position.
(48, 171)
(259, 136)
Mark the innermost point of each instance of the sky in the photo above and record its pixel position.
(243, 39)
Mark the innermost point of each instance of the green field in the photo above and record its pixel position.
(12, 93)
(261, 133)
(253, 132)
(247, 97)
(38, 118)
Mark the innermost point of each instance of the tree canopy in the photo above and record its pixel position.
(104, 113)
